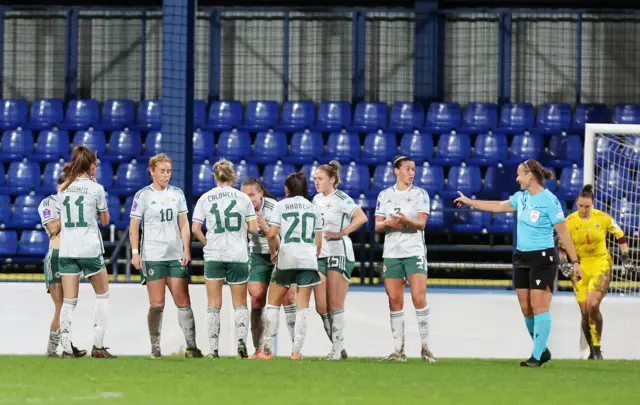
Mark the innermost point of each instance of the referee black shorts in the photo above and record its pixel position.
(535, 270)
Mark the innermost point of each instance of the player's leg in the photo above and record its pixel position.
(259, 278)
(100, 282)
(320, 294)
(337, 283)
(214, 274)
(305, 280)
(541, 280)
(70, 284)
(154, 278)
(178, 283)
(580, 287)
(280, 284)
(394, 284)
(290, 309)
(237, 277)
(597, 291)
(55, 290)
(415, 269)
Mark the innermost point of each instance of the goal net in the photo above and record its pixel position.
(612, 165)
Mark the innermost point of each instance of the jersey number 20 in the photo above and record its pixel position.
(80, 223)
(307, 237)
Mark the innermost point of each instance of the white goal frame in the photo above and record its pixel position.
(590, 131)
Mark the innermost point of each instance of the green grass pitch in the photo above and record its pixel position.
(174, 380)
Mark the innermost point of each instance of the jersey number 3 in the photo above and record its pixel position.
(80, 223)
(229, 214)
(306, 237)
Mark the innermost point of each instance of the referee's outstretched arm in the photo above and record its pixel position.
(483, 205)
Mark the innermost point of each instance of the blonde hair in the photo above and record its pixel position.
(333, 170)
(160, 157)
(224, 172)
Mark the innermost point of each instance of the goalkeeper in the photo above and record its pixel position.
(588, 228)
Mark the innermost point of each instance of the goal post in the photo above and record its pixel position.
(612, 165)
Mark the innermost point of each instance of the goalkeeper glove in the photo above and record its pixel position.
(627, 265)
(565, 269)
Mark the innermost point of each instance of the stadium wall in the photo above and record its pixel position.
(554, 56)
(463, 324)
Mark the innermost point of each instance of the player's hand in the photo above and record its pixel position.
(392, 222)
(136, 261)
(627, 265)
(462, 200)
(565, 269)
(262, 223)
(274, 258)
(186, 258)
(333, 235)
(577, 271)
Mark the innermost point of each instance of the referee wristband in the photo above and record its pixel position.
(135, 252)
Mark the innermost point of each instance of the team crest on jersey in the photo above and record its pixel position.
(134, 206)
(534, 215)
(46, 213)
(598, 226)
(151, 272)
(57, 274)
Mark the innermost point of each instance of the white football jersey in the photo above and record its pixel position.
(401, 243)
(299, 220)
(225, 211)
(258, 242)
(48, 212)
(158, 210)
(336, 210)
(78, 207)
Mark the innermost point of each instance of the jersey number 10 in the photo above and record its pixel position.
(80, 223)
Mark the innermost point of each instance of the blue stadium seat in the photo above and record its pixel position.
(631, 151)
(260, 115)
(333, 116)
(563, 150)
(479, 117)
(383, 178)
(33, 243)
(274, 175)
(431, 178)
(45, 114)
(130, 178)
(554, 118)
(437, 219)
(369, 117)
(203, 145)
(199, 113)
(502, 222)
(23, 177)
(605, 150)
(224, 115)
(305, 147)
(526, 146)
(16, 145)
(153, 145)
(202, 178)
(418, 146)
(51, 145)
(452, 149)
(469, 220)
(52, 171)
(354, 179)
(515, 117)
(551, 185)
(268, 147)
(406, 117)
(627, 216)
(149, 116)
(104, 174)
(570, 182)
(125, 145)
(368, 205)
(8, 243)
(125, 219)
(117, 115)
(499, 182)
(309, 170)
(94, 140)
(626, 114)
(466, 179)
(443, 117)
(244, 170)
(342, 146)
(489, 149)
(13, 113)
(81, 114)
(589, 113)
(378, 148)
(297, 116)
(3, 183)
(114, 208)
(5, 208)
(25, 211)
(234, 145)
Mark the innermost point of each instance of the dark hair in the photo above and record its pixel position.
(397, 162)
(61, 178)
(81, 160)
(540, 173)
(296, 184)
(333, 170)
(586, 192)
(252, 181)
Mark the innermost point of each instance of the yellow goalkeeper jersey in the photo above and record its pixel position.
(590, 236)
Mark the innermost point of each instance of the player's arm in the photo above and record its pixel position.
(618, 233)
(185, 235)
(274, 241)
(417, 224)
(570, 250)
(488, 206)
(134, 241)
(252, 225)
(103, 212)
(197, 220)
(318, 243)
(54, 226)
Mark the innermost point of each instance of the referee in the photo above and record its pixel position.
(536, 257)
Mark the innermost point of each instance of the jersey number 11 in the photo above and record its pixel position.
(80, 223)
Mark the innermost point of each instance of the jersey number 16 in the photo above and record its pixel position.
(229, 215)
